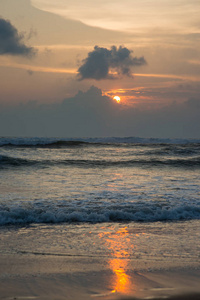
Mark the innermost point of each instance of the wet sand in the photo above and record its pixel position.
(32, 276)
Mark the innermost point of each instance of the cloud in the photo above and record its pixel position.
(92, 114)
(101, 61)
(86, 114)
(11, 41)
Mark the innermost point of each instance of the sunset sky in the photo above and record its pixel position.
(62, 62)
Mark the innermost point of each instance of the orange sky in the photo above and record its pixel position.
(148, 28)
(165, 34)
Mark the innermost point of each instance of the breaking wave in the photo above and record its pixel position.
(30, 213)
(20, 162)
(56, 142)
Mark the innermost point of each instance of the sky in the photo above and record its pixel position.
(62, 62)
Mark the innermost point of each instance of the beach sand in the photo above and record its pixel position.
(35, 276)
(109, 261)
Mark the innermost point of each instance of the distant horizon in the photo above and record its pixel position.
(40, 140)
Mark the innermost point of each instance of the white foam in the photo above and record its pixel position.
(24, 214)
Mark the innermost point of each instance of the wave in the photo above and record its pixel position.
(15, 161)
(32, 213)
(6, 161)
(42, 144)
(70, 142)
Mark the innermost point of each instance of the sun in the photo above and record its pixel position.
(117, 98)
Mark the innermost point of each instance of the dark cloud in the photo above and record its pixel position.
(92, 114)
(11, 41)
(102, 60)
(32, 33)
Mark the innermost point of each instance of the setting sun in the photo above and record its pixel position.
(117, 98)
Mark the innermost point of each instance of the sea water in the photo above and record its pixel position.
(130, 198)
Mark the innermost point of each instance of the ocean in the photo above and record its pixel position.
(135, 201)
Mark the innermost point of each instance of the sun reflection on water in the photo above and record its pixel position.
(121, 282)
(118, 243)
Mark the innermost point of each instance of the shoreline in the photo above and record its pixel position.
(57, 278)
(100, 261)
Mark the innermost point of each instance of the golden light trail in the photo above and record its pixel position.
(117, 243)
(122, 282)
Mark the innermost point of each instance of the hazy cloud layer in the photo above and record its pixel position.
(101, 61)
(91, 114)
(11, 41)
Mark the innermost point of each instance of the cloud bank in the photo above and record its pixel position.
(91, 114)
(11, 41)
(101, 61)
